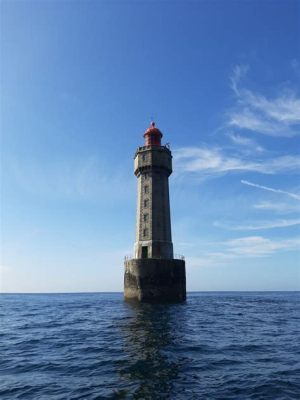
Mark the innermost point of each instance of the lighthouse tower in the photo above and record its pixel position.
(154, 274)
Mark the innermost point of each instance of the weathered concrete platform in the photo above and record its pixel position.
(155, 280)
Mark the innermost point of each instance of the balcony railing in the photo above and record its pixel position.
(163, 147)
(175, 257)
(179, 257)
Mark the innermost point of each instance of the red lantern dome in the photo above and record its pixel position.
(153, 136)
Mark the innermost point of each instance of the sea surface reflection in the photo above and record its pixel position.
(149, 339)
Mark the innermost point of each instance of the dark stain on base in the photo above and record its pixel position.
(155, 280)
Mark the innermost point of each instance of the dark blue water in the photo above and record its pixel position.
(95, 346)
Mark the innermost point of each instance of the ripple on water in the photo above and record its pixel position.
(95, 346)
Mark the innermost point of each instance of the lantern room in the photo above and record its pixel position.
(153, 136)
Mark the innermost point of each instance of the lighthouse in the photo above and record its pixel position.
(154, 274)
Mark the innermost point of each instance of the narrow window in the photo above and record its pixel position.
(144, 157)
(145, 232)
(146, 217)
(146, 203)
(146, 189)
(146, 176)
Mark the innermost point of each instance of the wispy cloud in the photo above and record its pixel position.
(254, 246)
(278, 116)
(277, 207)
(258, 226)
(269, 189)
(211, 161)
(243, 248)
(239, 71)
(246, 142)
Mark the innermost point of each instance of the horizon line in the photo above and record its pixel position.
(191, 291)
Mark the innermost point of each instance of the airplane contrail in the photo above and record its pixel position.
(292, 195)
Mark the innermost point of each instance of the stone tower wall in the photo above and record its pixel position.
(155, 280)
(153, 165)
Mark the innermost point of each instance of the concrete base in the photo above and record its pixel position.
(155, 280)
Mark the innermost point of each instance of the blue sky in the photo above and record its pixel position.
(81, 81)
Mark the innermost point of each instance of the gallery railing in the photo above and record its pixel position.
(175, 257)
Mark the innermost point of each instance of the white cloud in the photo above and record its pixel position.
(277, 207)
(254, 246)
(238, 72)
(213, 161)
(269, 189)
(247, 119)
(283, 109)
(243, 248)
(278, 116)
(245, 141)
(261, 225)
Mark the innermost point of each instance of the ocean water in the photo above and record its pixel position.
(96, 346)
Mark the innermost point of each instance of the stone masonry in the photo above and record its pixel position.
(153, 274)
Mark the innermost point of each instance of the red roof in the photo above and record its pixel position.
(153, 130)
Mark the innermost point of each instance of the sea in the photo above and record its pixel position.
(217, 345)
